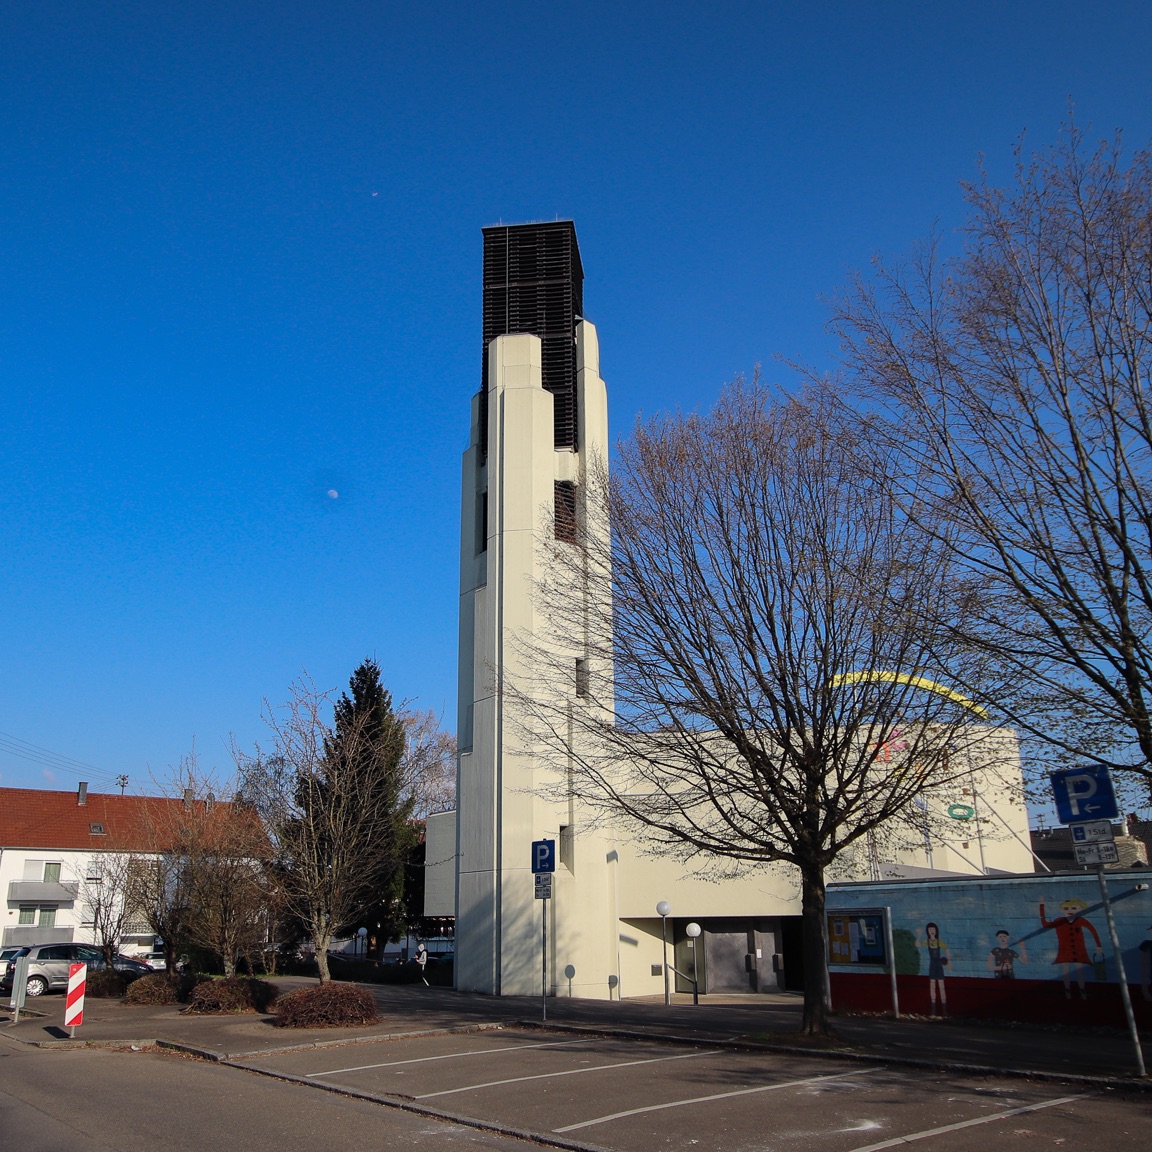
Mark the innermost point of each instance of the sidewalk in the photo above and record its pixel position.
(1103, 1055)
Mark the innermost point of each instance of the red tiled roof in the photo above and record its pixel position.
(35, 818)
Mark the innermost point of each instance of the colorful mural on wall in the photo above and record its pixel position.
(1018, 947)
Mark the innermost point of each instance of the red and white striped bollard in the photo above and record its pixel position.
(74, 1004)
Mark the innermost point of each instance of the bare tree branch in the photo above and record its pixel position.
(764, 622)
(1017, 377)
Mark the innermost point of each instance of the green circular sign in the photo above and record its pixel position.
(961, 811)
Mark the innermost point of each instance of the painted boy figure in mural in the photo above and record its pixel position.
(1071, 951)
(938, 958)
(1002, 959)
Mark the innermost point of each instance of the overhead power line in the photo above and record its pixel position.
(24, 750)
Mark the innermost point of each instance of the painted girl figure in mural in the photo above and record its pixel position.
(938, 957)
(1071, 951)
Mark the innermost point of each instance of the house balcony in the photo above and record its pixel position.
(28, 934)
(41, 892)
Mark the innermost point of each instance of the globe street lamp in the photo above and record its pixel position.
(664, 910)
(693, 931)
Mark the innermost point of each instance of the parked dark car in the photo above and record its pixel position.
(48, 966)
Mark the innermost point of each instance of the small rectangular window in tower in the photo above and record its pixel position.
(568, 847)
(564, 513)
(481, 523)
(581, 676)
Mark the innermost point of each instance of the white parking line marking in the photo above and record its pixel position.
(451, 1056)
(895, 1143)
(567, 1072)
(717, 1096)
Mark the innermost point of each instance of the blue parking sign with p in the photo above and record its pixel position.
(1083, 794)
(543, 855)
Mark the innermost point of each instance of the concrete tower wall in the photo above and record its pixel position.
(507, 797)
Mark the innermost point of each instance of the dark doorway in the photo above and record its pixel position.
(728, 950)
(792, 949)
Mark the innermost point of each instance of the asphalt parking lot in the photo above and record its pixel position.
(647, 1096)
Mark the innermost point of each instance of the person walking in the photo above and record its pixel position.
(422, 962)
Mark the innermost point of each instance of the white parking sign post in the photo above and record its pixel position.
(1086, 802)
(543, 865)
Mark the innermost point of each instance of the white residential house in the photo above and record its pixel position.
(54, 850)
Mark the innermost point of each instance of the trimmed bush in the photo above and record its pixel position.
(328, 1005)
(234, 994)
(162, 988)
(106, 983)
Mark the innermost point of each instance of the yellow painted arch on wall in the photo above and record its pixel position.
(878, 677)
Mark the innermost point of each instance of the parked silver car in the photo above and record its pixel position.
(9, 954)
(48, 966)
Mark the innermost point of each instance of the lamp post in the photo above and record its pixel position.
(664, 910)
(693, 931)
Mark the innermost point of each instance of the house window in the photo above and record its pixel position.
(43, 916)
(581, 676)
(96, 829)
(564, 516)
(95, 871)
(51, 873)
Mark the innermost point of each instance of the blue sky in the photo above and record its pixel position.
(241, 254)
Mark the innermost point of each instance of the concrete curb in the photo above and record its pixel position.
(64, 1045)
(350, 1040)
(211, 1054)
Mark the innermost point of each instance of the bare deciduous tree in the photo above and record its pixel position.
(1018, 376)
(204, 880)
(771, 627)
(335, 802)
(226, 851)
(429, 763)
(107, 897)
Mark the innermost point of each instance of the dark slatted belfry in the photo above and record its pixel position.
(534, 282)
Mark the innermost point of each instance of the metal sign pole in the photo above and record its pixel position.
(19, 987)
(1132, 1031)
(888, 943)
(543, 866)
